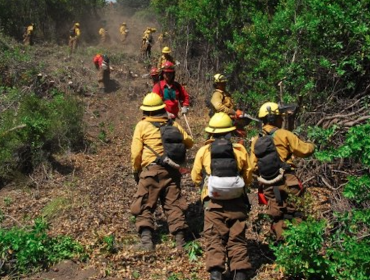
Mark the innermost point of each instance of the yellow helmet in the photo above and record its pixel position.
(152, 102)
(77, 24)
(123, 23)
(166, 50)
(219, 78)
(269, 108)
(220, 123)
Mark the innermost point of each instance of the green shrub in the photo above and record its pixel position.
(30, 248)
(31, 128)
(302, 254)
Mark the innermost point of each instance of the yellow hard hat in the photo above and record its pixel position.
(77, 24)
(123, 23)
(269, 108)
(152, 102)
(219, 78)
(166, 50)
(220, 123)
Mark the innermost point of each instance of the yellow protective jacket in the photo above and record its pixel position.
(29, 30)
(102, 32)
(77, 32)
(162, 60)
(123, 30)
(146, 133)
(222, 102)
(287, 144)
(202, 163)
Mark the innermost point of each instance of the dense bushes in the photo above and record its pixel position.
(339, 247)
(32, 128)
(320, 47)
(34, 122)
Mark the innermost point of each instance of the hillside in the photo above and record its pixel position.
(86, 193)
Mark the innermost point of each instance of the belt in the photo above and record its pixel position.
(150, 164)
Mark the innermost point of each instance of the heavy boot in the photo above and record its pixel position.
(180, 239)
(215, 274)
(240, 275)
(146, 243)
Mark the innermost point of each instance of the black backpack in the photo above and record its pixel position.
(72, 32)
(268, 160)
(223, 163)
(172, 140)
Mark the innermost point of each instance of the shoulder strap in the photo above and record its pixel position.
(264, 132)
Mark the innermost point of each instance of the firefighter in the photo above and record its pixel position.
(278, 181)
(221, 169)
(147, 42)
(28, 35)
(165, 56)
(123, 31)
(103, 33)
(74, 35)
(221, 100)
(156, 179)
(173, 94)
(101, 62)
(154, 74)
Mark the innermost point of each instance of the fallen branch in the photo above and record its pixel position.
(12, 129)
(352, 123)
(340, 116)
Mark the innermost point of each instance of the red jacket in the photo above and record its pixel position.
(98, 60)
(172, 95)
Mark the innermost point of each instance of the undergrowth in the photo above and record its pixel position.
(27, 249)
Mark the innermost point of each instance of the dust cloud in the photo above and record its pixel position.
(112, 16)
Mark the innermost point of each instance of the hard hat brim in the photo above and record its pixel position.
(219, 130)
(152, 108)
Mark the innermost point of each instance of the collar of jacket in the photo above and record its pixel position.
(155, 119)
(268, 127)
(223, 92)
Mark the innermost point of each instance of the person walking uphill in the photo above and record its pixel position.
(172, 93)
(158, 146)
(271, 159)
(226, 204)
(74, 35)
(101, 62)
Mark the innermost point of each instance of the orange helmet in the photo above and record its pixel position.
(168, 67)
(154, 71)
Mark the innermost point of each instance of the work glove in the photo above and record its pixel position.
(184, 110)
(137, 177)
(170, 115)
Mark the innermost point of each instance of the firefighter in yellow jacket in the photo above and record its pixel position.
(74, 35)
(278, 182)
(221, 100)
(156, 171)
(28, 35)
(165, 56)
(226, 205)
(123, 31)
(104, 35)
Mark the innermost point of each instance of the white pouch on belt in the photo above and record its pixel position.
(225, 188)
